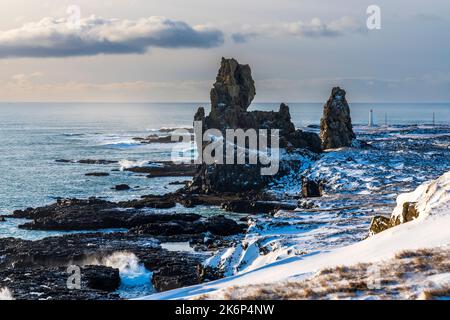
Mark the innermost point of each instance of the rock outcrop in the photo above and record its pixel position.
(50, 283)
(336, 129)
(234, 87)
(430, 198)
(311, 189)
(231, 95)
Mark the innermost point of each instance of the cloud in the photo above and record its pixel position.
(58, 38)
(315, 28)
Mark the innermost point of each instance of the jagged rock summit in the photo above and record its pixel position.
(336, 130)
(232, 94)
(234, 86)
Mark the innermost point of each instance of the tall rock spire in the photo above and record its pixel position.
(336, 130)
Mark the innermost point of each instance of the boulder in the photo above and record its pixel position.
(311, 189)
(122, 187)
(336, 130)
(222, 226)
(231, 95)
(101, 278)
(379, 224)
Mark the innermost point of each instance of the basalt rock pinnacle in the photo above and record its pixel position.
(336, 130)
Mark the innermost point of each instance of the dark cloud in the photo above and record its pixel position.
(56, 38)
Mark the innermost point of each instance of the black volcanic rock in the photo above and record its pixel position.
(41, 266)
(165, 169)
(222, 226)
(101, 278)
(255, 207)
(311, 189)
(96, 161)
(93, 214)
(97, 174)
(50, 283)
(217, 225)
(122, 187)
(336, 130)
(231, 95)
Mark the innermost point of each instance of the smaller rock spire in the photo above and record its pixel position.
(336, 130)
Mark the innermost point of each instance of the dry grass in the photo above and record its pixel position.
(403, 277)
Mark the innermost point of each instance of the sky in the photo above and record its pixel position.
(170, 50)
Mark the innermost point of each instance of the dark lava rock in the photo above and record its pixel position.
(175, 274)
(231, 95)
(97, 174)
(54, 254)
(154, 138)
(50, 283)
(222, 226)
(170, 228)
(218, 225)
(122, 187)
(87, 161)
(336, 130)
(311, 189)
(96, 161)
(166, 169)
(94, 214)
(63, 161)
(101, 278)
(150, 201)
(255, 207)
(184, 182)
(170, 130)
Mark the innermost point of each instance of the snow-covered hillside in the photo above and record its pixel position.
(430, 230)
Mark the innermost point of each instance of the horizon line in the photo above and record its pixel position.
(208, 103)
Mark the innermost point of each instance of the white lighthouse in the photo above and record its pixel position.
(371, 124)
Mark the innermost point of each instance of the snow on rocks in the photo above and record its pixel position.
(430, 198)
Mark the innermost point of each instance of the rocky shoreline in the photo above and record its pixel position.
(152, 220)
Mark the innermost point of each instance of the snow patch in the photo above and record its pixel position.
(5, 294)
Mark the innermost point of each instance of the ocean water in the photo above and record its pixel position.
(34, 135)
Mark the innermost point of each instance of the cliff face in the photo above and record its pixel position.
(231, 95)
(336, 130)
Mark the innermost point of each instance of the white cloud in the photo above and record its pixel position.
(56, 38)
(315, 28)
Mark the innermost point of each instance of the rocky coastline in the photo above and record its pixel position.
(151, 220)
